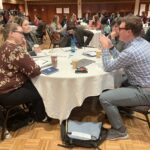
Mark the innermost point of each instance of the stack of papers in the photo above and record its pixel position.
(42, 54)
(43, 63)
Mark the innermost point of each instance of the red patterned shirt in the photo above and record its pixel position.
(16, 66)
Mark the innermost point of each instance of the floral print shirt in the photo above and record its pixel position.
(16, 66)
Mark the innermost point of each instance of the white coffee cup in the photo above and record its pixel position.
(36, 48)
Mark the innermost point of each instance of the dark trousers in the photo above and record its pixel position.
(27, 94)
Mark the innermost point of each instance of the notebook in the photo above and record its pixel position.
(49, 70)
(85, 62)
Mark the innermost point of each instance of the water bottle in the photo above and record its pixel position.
(73, 44)
(7, 135)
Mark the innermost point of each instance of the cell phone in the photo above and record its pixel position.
(81, 70)
(49, 70)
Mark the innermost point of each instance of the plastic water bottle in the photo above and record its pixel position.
(73, 44)
(7, 135)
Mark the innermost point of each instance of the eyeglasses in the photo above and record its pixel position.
(122, 28)
(19, 32)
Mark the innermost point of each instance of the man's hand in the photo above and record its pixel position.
(113, 34)
(105, 42)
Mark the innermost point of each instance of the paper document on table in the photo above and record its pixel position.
(85, 62)
(43, 63)
(42, 54)
(66, 49)
(90, 53)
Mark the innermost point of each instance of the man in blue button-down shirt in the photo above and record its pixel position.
(135, 60)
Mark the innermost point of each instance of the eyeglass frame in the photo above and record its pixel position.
(19, 32)
(123, 28)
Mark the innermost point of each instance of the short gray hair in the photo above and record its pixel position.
(10, 27)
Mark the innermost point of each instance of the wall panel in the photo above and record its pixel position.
(49, 10)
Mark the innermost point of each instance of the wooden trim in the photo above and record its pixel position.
(13, 2)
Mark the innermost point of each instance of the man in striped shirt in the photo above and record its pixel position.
(135, 60)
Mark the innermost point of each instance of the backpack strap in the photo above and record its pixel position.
(65, 145)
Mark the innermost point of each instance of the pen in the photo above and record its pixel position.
(44, 62)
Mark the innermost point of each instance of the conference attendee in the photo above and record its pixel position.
(41, 30)
(16, 70)
(55, 24)
(136, 63)
(147, 35)
(105, 26)
(2, 21)
(144, 17)
(64, 21)
(114, 35)
(30, 36)
(56, 29)
(86, 18)
(36, 20)
(95, 23)
(74, 19)
(79, 34)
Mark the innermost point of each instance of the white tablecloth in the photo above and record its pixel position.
(65, 89)
(95, 40)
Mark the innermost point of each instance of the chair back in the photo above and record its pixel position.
(53, 36)
(49, 32)
(141, 108)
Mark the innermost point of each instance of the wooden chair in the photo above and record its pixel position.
(53, 42)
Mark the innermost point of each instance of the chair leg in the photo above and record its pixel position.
(5, 125)
(148, 121)
(4, 128)
(50, 44)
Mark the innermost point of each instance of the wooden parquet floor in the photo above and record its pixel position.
(46, 136)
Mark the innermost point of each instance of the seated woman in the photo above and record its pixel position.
(73, 18)
(95, 23)
(17, 68)
(30, 36)
(55, 24)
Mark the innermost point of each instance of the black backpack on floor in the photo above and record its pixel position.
(82, 134)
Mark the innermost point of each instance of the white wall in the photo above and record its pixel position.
(1, 6)
(136, 9)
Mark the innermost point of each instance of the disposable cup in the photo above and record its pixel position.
(74, 63)
(54, 61)
(98, 53)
